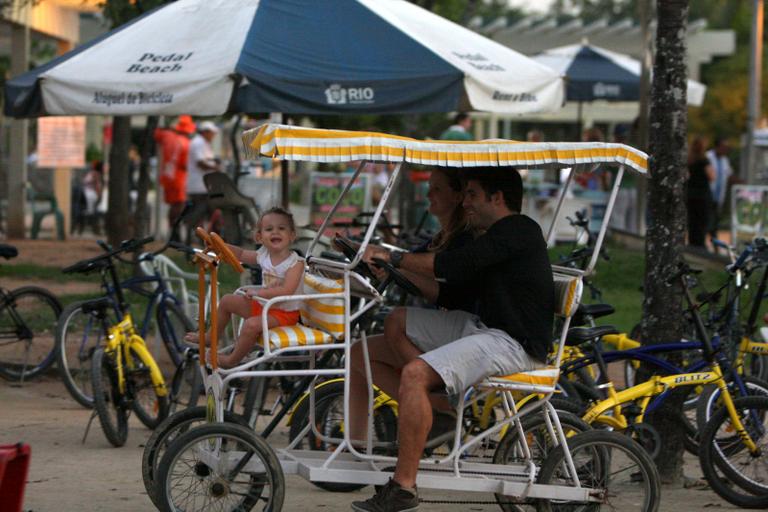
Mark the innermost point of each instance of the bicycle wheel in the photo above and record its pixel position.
(150, 408)
(27, 332)
(173, 324)
(329, 418)
(107, 399)
(220, 466)
(744, 478)
(709, 401)
(610, 463)
(186, 385)
(78, 335)
(170, 429)
(539, 442)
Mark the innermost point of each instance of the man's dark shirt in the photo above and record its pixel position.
(461, 296)
(510, 267)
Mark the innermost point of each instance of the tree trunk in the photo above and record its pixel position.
(665, 238)
(141, 215)
(119, 221)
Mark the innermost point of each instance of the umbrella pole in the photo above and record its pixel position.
(579, 121)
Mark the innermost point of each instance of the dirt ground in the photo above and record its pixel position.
(69, 475)
(52, 253)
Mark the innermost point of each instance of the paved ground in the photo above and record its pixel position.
(67, 475)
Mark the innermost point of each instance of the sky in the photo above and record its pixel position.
(531, 5)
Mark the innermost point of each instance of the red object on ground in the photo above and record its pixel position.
(14, 466)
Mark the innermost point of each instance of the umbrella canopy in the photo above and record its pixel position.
(594, 73)
(318, 145)
(208, 57)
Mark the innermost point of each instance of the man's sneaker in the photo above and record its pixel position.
(390, 498)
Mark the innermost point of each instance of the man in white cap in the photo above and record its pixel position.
(201, 161)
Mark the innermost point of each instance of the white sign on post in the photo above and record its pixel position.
(61, 142)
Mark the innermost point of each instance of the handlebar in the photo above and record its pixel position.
(182, 248)
(102, 261)
(683, 269)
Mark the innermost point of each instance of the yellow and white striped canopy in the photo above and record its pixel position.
(316, 145)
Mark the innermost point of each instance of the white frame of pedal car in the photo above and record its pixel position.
(346, 464)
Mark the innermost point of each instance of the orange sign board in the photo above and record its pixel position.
(61, 142)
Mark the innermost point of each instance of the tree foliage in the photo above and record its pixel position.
(724, 112)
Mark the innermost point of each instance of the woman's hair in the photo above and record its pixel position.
(276, 210)
(697, 149)
(458, 222)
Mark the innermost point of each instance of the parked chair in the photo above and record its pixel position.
(42, 206)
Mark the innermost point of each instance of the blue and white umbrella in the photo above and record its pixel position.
(207, 57)
(594, 73)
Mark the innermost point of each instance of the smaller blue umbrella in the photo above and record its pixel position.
(594, 73)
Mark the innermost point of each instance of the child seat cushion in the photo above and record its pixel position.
(324, 314)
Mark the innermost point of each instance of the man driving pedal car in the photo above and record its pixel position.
(453, 350)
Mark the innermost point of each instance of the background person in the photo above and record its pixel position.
(698, 193)
(718, 158)
(460, 129)
(201, 161)
(174, 153)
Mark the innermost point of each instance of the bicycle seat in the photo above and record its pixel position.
(97, 307)
(578, 335)
(8, 251)
(593, 310)
(86, 266)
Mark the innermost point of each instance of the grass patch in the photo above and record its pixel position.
(28, 270)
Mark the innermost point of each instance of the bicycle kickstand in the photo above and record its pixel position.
(94, 413)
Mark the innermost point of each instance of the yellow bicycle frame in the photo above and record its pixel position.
(122, 342)
(643, 393)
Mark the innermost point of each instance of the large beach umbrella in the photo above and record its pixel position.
(208, 57)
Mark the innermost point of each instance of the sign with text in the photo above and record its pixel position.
(749, 212)
(61, 142)
(326, 189)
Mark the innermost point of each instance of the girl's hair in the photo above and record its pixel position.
(458, 221)
(276, 210)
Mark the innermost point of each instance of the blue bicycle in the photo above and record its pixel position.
(79, 332)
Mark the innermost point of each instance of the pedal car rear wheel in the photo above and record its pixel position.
(610, 463)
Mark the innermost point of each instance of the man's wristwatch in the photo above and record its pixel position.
(395, 258)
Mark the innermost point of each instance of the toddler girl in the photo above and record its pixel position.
(282, 271)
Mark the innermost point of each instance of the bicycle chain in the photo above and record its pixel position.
(467, 502)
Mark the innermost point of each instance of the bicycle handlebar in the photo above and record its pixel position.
(98, 262)
(181, 247)
(683, 270)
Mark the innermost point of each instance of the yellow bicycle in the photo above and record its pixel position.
(124, 375)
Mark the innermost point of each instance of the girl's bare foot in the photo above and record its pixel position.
(224, 361)
(194, 337)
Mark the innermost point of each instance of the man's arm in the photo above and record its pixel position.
(208, 165)
(421, 263)
(428, 286)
